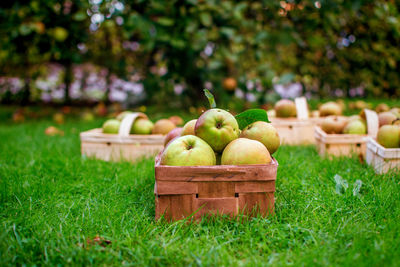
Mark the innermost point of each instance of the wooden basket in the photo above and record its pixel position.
(382, 159)
(340, 144)
(346, 144)
(194, 191)
(296, 131)
(121, 146)
(293, 131)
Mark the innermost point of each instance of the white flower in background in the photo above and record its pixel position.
(251, 97)
(250, 84)
(239, 93)
(118, 96)
(57, 94)
(178, 89)
(291, 90)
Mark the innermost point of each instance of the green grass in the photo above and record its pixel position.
(53, 200)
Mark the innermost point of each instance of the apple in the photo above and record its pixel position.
(163, 126)
(58, 118)
(333, 124)
(188, 150)
(172, 134)
(111, 126)
(217, 127)
(244, 151)
(389, 136)
(122, 115)
(382, 107)
(386, 118)
(87, 116)
(396, 111)
(330, 108)
(285, 108)
(355, 127)
(263, 132)
(188, 129)
(176, 120)
(230, 84)
(142, 126)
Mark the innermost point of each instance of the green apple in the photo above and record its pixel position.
(244, 151)
(285, 108)
(355, 127)
(263, 132)
(163, 126)
(172, 134)
(111, 126)
(389, 136)
(142, 126)
(188, 150)
(330, 108)
(217, 127)
(188, 129)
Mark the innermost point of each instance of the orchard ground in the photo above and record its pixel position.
(53, 202)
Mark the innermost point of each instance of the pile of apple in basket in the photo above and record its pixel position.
(219, 138)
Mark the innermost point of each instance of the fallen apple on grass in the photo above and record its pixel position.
(330, 108)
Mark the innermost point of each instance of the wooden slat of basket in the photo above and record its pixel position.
(253, 203)
(254, 187)
(215, 189)
(216, 173)
(225, 205)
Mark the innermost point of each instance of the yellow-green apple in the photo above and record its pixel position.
(389, 136)
(355, 127)
(285, 108)
(172, 134)
(111, 126)
(176, 120)
(244, 151)
(386, 118)
(163, 126)
(263, 132)
(330, 108)
(188, 128)
(333, 124)
(217, 127)
(142, 126)
(382, 107)
(122, 115)
(188, 150)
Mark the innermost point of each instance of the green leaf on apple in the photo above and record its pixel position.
(210, 98)
(251, 115)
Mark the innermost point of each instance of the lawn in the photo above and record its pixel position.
(53, 202)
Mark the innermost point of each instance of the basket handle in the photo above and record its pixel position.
(126, 123)
(301, 108)
(372, 122)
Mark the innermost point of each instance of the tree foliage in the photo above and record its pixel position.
(328, 46)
